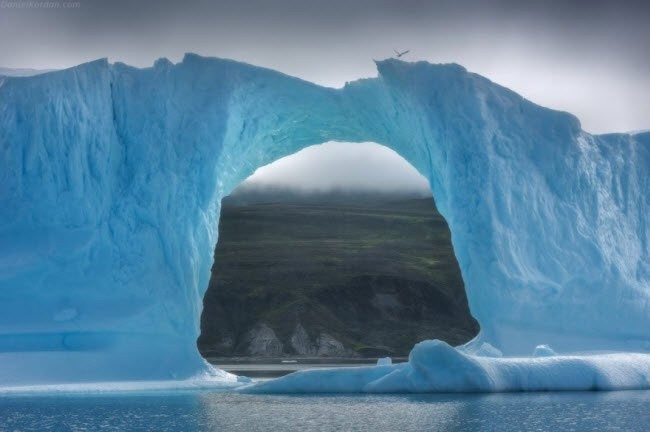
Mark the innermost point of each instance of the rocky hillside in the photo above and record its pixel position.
(332, 275)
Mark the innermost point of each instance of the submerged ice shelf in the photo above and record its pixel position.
(111, 179)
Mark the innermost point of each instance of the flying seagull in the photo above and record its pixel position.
(400, 54)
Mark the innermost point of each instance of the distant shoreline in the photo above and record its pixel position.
(300, 360)
(273, 367)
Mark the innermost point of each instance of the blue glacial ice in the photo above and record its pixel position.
(110, 185)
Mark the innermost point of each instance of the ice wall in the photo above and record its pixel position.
(111, 179)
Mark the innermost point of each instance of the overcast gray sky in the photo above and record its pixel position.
(342, 166)
(587, 57)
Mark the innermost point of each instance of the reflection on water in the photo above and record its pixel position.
(214, 411)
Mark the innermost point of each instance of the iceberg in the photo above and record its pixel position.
(111, 179)
(434, 366)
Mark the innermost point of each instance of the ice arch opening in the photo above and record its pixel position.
(336, 251)
(111, 178)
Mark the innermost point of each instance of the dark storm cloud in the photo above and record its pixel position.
(587, 57)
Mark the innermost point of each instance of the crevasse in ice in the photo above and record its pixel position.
(110, 185)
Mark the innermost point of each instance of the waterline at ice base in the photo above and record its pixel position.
(111, 179)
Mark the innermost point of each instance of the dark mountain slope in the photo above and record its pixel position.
(335, 275)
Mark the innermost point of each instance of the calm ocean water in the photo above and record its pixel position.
(214, 411)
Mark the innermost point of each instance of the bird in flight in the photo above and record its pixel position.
(400, 54)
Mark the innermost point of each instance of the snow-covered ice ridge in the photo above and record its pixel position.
(110, 185)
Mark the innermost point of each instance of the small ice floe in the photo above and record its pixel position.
(487, 350)
(384, 361)
(543, 351)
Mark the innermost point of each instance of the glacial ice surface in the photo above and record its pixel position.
(110, 185)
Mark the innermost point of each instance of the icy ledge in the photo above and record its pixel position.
(222, 383)
(434, 366)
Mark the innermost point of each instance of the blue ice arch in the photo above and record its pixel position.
(110, 185)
